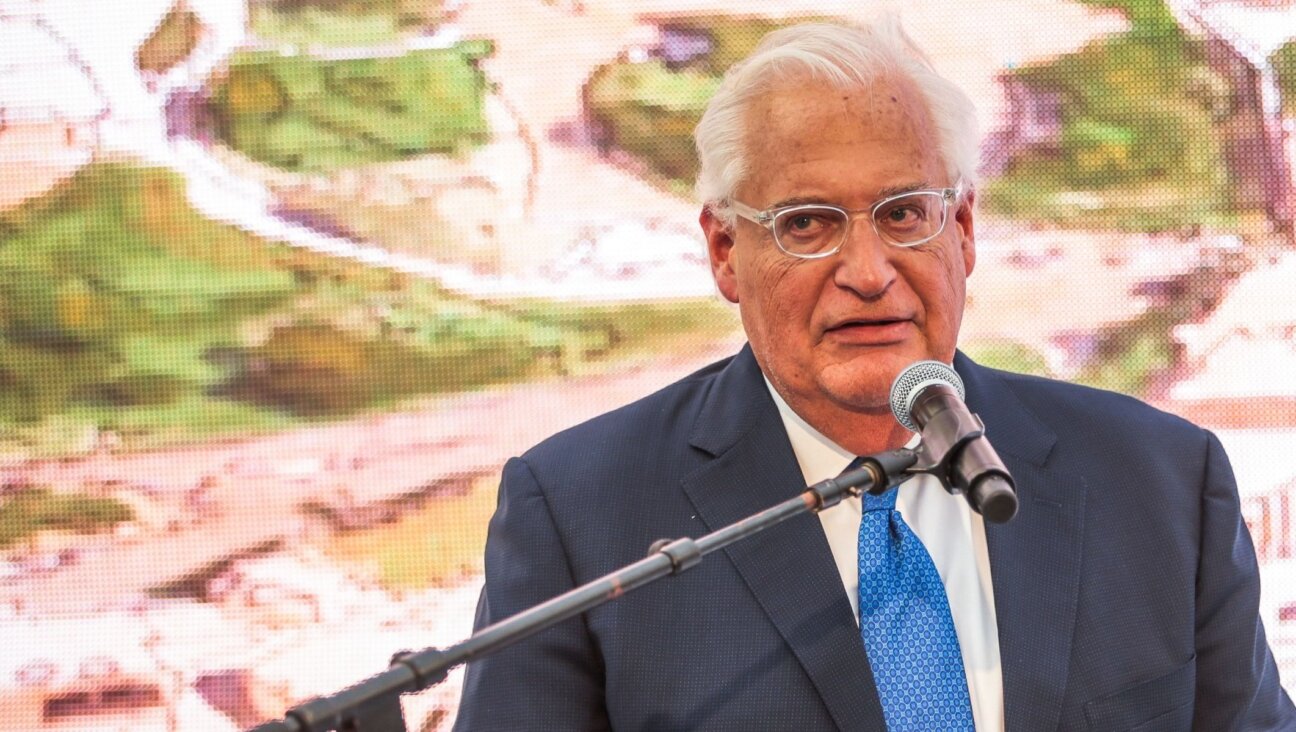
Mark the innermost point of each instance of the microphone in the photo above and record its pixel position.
(927, 397)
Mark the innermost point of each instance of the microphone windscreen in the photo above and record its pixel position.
(910, 382)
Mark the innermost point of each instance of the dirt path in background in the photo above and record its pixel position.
(257, 485)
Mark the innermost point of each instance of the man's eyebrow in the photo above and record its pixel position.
(886, 192)
(907, 188)
(797, 201)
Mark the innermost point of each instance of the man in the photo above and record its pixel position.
(838, 179)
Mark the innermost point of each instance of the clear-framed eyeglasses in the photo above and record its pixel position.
(814, 230)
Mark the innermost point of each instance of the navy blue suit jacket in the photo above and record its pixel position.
(1126, 588)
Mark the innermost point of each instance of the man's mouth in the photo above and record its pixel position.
(871, 331)
(868, 323)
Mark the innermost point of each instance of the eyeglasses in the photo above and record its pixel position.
(814, 230)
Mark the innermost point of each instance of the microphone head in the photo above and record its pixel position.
(910, 382)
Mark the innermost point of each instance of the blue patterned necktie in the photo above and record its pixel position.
(907, 627)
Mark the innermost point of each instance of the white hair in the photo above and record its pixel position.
(844, 56)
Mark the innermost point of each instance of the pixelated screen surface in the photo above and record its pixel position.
(283, 283)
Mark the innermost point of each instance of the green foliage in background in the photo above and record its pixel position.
(354, 345)
(311, 28)
(306, 113)
(1139, 147)
(650, 109)
(1132, 356)
(1139, 12)
(110, 265)
(411, 11)
(1008, 356)
(319, 369)
(343, 22)
(1284, 63)
(1140, 356)
(733, 38)
(123, 309)
(28, 511)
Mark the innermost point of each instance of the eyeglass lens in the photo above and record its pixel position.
(902, 220)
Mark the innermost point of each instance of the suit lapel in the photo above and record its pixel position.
(788, 568)
(1034, 559)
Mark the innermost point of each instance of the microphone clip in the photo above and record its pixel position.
(954, 449)
(943, 440)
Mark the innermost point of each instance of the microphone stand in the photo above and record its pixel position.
(373, 705)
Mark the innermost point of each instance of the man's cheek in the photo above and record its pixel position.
(778, 278)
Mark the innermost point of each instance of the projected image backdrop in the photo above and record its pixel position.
(284, 282)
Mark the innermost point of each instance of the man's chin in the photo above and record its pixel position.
(868, 394)
(864, 383)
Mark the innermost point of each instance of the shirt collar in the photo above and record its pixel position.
(819, 457)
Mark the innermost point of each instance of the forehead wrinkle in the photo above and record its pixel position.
(794, 134)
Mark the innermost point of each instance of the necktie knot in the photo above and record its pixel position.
(884, 502)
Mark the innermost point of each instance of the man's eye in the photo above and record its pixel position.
(804, 223)
(904, 214)
(808, 223)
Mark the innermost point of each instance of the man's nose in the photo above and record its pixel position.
(864, 262)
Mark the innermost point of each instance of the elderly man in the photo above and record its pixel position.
(838, 177)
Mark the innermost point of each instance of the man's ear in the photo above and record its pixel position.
(964, 219)
(720, 244)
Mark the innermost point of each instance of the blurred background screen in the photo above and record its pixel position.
(284, 282)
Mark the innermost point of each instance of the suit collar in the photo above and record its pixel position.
(1035, 559)
(789, 568)
(1010, 425)
(736, 404)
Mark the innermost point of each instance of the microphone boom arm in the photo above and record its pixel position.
(373, 705)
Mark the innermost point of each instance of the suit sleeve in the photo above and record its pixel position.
(1237, 679)
(552, 680)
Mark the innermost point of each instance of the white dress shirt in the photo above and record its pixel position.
(954, 536)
